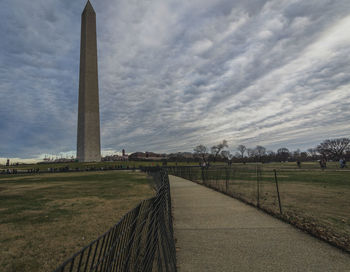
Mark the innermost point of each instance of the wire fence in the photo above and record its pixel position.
(313, 200)
(245, 183)
(143, 239)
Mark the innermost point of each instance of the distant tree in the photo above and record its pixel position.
(283, 154)
(226, 154)
(216, 149)
(238, 155)
(303, 156)
(282, 150)
(202, 152)
(241, 149)
(260, 150)
(296, 153)
(250, 152)
(334, 148)
(270, 153)
(312, 152)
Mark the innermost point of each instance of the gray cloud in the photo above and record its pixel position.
(174, 74)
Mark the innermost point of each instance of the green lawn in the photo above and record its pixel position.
(45, 218)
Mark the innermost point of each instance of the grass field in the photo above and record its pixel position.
(45, 218)
(290, 165)
(314, 200)
(137, 164)
(97, 165)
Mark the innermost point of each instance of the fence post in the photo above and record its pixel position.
(278, 192)
(227, 179)
(203, 174)
(233, 179)
(132, 237)
(258, 185)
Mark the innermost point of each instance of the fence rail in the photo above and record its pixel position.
(142, 240)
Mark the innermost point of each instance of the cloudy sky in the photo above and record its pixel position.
(177, 73)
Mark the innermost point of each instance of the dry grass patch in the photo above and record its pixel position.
(44, 219)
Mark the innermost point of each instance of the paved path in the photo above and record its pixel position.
(217, 233)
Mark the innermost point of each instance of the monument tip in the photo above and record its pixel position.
(88, 7)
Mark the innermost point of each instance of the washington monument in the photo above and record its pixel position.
(88, 146)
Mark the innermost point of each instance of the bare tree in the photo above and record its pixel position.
(283, 154)
(282, 150)
(202, 152)
(271, 153)
(260, 150)
(242, 149)
(296, 153)
(226, 154)
(216, 149)
(238, 155)
(334, 148)
(312, 152)
(251, 152)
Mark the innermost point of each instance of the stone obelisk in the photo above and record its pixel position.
(88, 147)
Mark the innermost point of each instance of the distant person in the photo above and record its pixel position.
(299, 164)
(323, 164)
(342, 163)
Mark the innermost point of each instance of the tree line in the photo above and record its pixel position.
(330, 149)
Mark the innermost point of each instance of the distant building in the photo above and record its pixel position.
(147, 156)
(137, 155)
(115, 158)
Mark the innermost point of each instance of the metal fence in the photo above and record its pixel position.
(245, 183)
(142, 240)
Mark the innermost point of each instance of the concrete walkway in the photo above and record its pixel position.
(217, 233)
